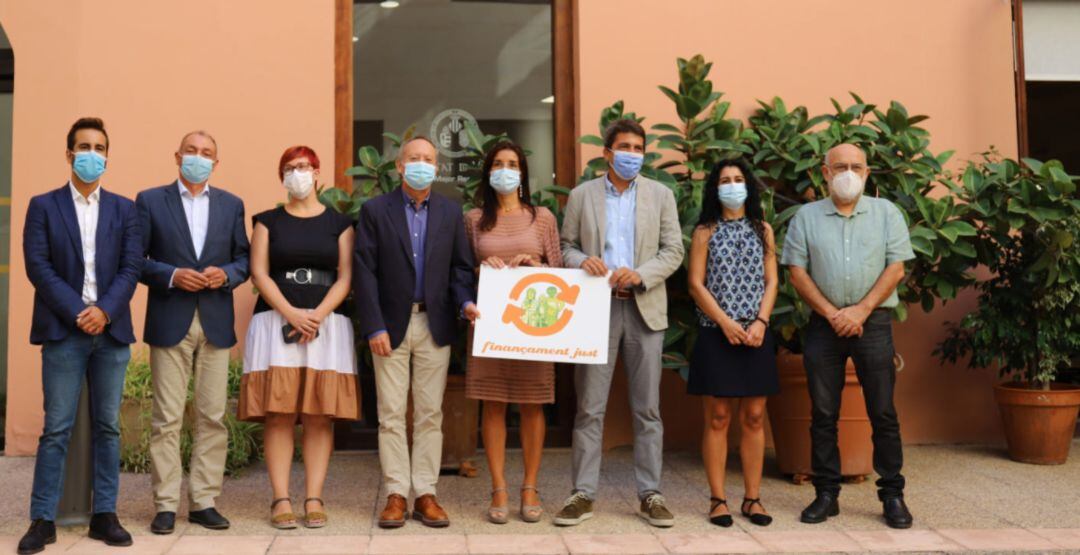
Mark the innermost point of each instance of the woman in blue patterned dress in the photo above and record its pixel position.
(733, 280)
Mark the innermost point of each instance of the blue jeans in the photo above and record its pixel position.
(102, 361)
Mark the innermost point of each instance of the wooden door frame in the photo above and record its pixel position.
(564, 87)
(567, 152)
(1020, 76)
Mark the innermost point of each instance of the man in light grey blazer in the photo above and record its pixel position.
(627, 225)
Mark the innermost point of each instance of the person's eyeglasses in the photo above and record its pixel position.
(841, 168)
(299, 167)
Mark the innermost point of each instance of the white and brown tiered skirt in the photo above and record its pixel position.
(316, 378)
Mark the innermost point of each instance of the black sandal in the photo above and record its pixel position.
(719, 520)
(760, 519)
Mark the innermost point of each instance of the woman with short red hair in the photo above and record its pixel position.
(299, 359)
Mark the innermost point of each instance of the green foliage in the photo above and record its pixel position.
(787, 147)
(375, 175)
(1025, 218)
(245, 438)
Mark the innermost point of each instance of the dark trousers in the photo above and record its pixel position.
(825, 354)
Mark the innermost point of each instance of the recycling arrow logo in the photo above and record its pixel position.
(542, 311)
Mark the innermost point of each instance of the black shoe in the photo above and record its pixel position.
(106, 527)
(41, 533)
(209, 518)
(824, 506)
(759, 519)
(897, 514)
(719, 520)
(164, 523)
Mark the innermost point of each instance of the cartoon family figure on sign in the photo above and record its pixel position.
(543, 311)
(541, 314)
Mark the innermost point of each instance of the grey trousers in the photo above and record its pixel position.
(641, 349)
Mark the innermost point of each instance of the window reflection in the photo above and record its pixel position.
(432, 66)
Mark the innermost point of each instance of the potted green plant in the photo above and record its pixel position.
(787, 147)
(1027, 321)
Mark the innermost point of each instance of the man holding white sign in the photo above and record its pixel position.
(626, 227)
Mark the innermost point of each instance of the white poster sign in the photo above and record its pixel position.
(546, 314)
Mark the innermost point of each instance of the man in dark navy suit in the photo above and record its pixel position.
(414, 277)
(83, 256)
(196, 251)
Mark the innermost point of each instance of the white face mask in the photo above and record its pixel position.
(299, 183)
(847, 186)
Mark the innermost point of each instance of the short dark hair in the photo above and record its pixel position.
(86, 123)
(622, 126)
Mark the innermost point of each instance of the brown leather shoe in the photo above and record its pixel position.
(395, 513)
(426, 509)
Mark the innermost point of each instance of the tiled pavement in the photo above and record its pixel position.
(965, 498)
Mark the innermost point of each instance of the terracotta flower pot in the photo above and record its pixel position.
(1038, 423)
(789, 417)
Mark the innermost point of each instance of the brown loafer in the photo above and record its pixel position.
(395, 513)
(426, 509)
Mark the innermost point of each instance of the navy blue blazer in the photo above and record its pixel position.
(383, 272)
(52, 248)
(167, 245)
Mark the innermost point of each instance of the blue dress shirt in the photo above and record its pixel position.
(619, 228)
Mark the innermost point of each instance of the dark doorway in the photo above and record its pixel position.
(1053, 120)
(7, 89)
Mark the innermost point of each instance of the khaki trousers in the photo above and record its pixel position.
(428, 363)
(171, 369)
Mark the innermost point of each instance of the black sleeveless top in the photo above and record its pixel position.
(302, 243)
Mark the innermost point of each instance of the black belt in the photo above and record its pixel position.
(305, 276)
(622, 293)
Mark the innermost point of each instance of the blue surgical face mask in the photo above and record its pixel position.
(627, 164)
(505, 180)
(88, 166)
(195, 168)
(419, 175)
(733, 195)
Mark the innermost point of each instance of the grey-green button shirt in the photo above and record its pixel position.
(845, 255)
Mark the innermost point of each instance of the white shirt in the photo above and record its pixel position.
(86, 211)
(197, 210)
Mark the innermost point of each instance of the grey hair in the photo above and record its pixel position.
(828, 152)
(415, 138)
(201, 133)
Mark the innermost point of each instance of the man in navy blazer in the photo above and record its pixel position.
(413, 274)
(83, 256)
(196, 251)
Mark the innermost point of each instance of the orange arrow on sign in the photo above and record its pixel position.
(512, 313)
(542, 332)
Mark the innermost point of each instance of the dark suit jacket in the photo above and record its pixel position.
(167, 246)
(384, 275)
(52, 248)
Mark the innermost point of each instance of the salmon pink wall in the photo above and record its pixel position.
(259, 76)
(950, 60)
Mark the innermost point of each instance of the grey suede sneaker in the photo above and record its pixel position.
(578, 509)
(654, 512)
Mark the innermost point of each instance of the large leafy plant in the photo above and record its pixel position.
(787, 147)
(790, 146)
(1027, 221)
